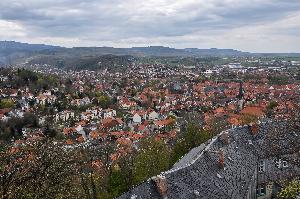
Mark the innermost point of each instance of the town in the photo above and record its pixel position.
(114, 129)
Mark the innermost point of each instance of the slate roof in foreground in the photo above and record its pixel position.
(198, 174)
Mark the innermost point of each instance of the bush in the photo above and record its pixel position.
(291, 191)
(6, 103)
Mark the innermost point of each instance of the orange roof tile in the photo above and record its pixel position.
(69, 142)
(80, 139)
(94, 134)
(253, 110)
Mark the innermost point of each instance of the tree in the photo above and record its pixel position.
(193, 137)
(104, 101)
(50, 132)
(126, 166)
(41, 169)
(272, 105)
(30, 119)
(292, 191)
(179, 150)
(6, 103)
(218, 124)
(270, 108)
(116, 183)
(152, 158)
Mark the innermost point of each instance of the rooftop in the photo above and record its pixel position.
(199, 174)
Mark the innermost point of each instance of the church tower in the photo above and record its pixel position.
(240, 98)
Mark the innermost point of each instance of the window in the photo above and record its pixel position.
(261, 190)
(281, 164)
(284, 164)
(261, 167)
(278, 163)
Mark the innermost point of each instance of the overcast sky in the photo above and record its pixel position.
(248, 25)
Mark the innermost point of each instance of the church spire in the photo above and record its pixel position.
(241, 91)
(240, 98)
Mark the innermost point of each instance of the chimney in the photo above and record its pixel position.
(254, 128)
(221, 159)
(224, 137)
(161, 185)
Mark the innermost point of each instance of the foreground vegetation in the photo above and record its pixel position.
(48, 169)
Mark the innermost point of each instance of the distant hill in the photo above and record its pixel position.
(109, 61)
(216, 52)
(12, 53)
(17, 46)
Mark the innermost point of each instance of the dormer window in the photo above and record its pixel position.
(278, 164)
(281, 164)
(284, 164)
(261, 166)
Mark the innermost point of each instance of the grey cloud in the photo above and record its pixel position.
(112, 20)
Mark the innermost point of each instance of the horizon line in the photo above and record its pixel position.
(147, 46)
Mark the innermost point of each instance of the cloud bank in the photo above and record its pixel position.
(249, 25)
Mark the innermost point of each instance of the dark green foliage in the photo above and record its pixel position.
(152, 159)
(13, 126)
(116, 183)
(179, 150)
(6, 103)
(50, 132)
(278, 80)
(34, 81)
(30, 120)
(103, 101)
(51, 172)
(27, 76)
(270, 108)
(272, 105)
(193, 137)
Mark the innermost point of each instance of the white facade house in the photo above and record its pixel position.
(153, 115)
(137, 118)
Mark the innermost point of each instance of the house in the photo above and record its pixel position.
(127, 104)
(137, 118)
(81, 102)
(47, 93)
(163, 123)
(94, 135)
(153, 115)
(3, 117)
(109, 113)
(111, 123)
(41, 99)
(64, 116)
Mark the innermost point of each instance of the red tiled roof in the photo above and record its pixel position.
(141, 128)
(80, 139)
(94, 134)
(253, 110)
(69, 142)
(5, 110)
(124, 141)
(118, 133)
(163, 122)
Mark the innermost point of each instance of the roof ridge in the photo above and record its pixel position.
(197, 157)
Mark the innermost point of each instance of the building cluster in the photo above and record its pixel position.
(91, 108)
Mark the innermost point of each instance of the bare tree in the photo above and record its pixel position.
(40, 169)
